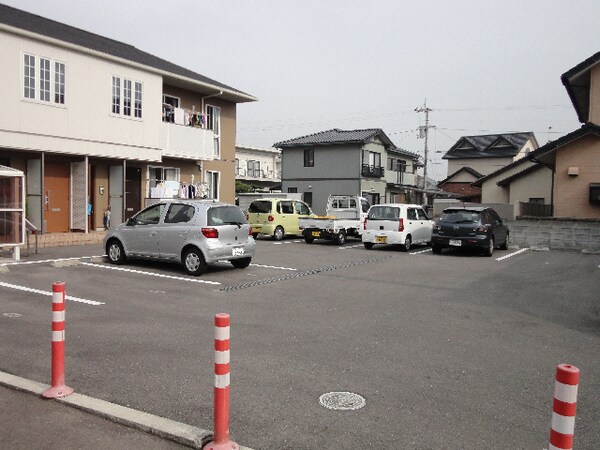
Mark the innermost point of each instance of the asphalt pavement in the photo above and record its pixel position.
(30, 421)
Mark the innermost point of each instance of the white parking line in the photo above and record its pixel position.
(350, 246)
(420, 251)
(512, 254)
(41, 261)
(272, 267)
(48, 293)
(158, 275)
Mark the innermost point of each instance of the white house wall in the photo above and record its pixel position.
(84, 125)
(484, 166)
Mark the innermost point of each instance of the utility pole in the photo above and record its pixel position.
(423, 132)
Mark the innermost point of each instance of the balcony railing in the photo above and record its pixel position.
(184, 135)
(258, 174)
(372, 171)
(403, 178)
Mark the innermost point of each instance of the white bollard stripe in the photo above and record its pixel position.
(222, 381)
(58, 316)
(563, 424)
(222, 357)
(57, 297)
(565, 392)
(221, 333)
(58, 336)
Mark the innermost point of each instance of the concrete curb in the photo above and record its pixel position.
(168, 429)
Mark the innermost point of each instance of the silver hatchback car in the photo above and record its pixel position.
(193, 232)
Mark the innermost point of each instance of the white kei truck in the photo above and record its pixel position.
(345, 216)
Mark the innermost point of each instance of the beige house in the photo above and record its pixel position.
(575, 157)
(521, 181)
(94, 123)
(473, 157)
(259, 167)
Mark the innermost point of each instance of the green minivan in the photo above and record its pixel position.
(277, 217)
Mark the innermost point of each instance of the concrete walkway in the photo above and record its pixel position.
(28, 421)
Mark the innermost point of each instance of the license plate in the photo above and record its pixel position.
(237, 251)
(455, 242)
(381, 239)
(316, 234)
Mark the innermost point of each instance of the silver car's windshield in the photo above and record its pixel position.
(225, 215)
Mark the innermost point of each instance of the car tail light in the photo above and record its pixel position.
(401, 225)
(365, 224)
(270, 218)
(210, 233)
(250, 232)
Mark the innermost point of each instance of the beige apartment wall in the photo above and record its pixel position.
(226, 165)
(484, 166)
(595, 95)
(537, 184)
(571, 193)
(84, 125)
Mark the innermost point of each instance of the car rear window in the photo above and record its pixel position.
(261, 206)
(460, 216)
(225, 215)
(384, 213)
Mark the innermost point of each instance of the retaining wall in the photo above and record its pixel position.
(555, 233)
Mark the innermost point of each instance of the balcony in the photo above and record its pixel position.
(184, 135)
(262, 175)
(400, 178)
(372, 171)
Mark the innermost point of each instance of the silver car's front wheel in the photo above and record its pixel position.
(193, 261)
(115, 252)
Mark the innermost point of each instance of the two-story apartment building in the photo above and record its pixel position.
(95, 123)
(259, 167)
(346, 162)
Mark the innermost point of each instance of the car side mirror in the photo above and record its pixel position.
(130, 222)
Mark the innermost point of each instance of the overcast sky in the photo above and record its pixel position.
(484, 67)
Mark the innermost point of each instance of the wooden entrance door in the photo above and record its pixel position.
(56, 196)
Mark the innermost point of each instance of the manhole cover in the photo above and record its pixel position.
(343, 401)
(11, 315)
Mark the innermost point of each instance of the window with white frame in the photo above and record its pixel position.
(158, 175)
(212, 180)
(59, 83)
(213, 120)
(253, 168)
(43, 79)
(138, 100)
(126, 97)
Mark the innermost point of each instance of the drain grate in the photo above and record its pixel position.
(301, 274)
(342, 401)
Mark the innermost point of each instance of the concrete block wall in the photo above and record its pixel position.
(555, 233)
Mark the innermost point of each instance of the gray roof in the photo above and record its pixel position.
(577, 81)
(462, 169)
(36, 24)
(489, 146)
(339, 137)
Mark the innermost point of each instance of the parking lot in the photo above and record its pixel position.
(449, 351)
